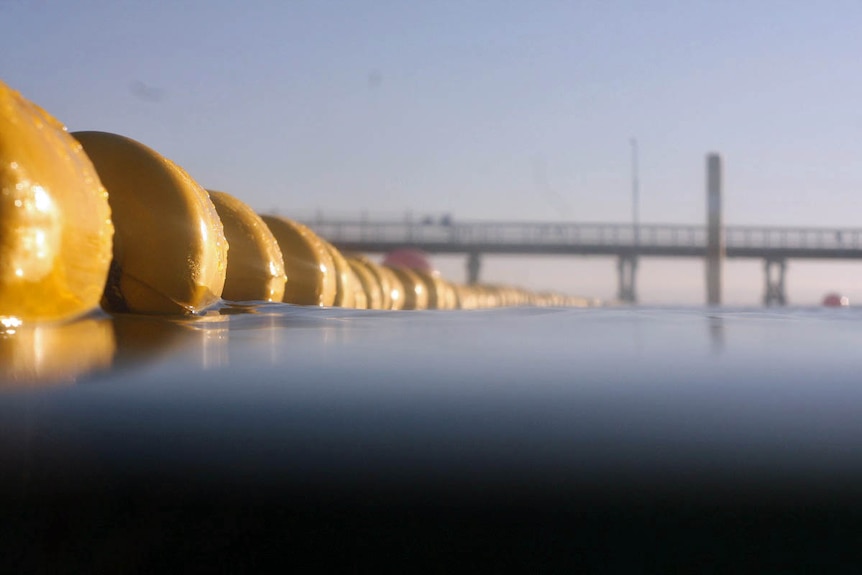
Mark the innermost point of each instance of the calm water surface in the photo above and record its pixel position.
(269, 392)
(531, 437)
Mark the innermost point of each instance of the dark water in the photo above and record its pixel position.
(510, 436)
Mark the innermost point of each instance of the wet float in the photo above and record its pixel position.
(98, 220)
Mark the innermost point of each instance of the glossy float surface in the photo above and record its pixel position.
(255, 266)
(170, 253)
(311, 276)
(506, 435)
(55, 222)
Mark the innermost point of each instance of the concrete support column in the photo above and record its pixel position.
(714, 230)
(775, 271)
(474, 263)
(627, 266)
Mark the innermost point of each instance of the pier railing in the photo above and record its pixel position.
(587, 238)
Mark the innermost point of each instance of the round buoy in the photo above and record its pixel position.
(345, 290)
(55, 222)
(311, 273)
(170, 253)
(369, 283)
(414, 291)
(255, 267)
(835, 300)
(409, 258)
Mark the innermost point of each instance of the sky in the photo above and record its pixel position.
(486, 110)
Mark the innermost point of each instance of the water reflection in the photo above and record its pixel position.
(265, 333)
(199, 341)
(34, 355)
(268, 342)
(716, 333)
(240, 333)
(211, 345)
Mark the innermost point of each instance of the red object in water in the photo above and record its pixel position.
(835, 300)
(409, 258)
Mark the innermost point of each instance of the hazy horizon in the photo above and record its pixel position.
(483, 110)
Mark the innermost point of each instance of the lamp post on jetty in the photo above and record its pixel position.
(628, 263)
(635, 193)
(714, 230)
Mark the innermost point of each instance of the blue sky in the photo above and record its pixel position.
(486, 110)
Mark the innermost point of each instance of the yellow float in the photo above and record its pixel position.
(383, 278)
(394, 289)
(255, 267)
(414, 290)
(345, 291)
(369, 283)
(55, 222)
(311, 275)
(170, 253)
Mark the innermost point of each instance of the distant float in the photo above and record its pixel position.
(836, 300)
